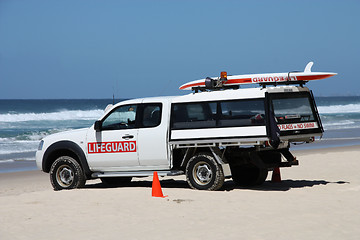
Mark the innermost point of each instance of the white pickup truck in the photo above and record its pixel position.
(208, 136)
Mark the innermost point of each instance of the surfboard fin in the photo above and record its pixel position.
(308, 67)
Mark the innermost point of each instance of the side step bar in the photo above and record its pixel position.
(137, 174)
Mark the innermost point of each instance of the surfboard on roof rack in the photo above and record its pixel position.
(225, 81)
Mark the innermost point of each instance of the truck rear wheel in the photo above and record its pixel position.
(66, 173)
(248, 175)
(204, 173)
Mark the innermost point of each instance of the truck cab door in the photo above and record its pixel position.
(113, 145)
(153, 136)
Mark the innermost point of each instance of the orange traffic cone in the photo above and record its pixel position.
(276, 177)
(156, 187)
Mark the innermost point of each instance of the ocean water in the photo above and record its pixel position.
(24, 122)
(340, 117)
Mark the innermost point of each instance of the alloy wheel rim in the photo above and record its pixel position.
(65, 176)
(202, 173)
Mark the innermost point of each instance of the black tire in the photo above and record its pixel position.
(66, 173)
(248, 175)
(115, 181)
(204, 173)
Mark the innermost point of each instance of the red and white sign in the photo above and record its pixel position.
(297, 126)
(111, 147)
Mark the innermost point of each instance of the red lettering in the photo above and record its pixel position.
(102, 147)
(309, 125)
(132, 147)
(90, 150)
(271, 79)
(114, 145)
(120, 147)
(126, 147)
(108, 147)
(286, 127)
(294, 126)
(111, 147)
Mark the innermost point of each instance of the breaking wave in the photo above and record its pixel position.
(52, 116)
(336, 109)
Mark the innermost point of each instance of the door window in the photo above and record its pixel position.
(121, 118)
(151, 115)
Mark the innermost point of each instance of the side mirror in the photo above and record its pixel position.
(98, 126)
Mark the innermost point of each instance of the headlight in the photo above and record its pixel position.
(41, 144)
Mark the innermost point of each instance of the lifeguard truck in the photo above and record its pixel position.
(217, 132)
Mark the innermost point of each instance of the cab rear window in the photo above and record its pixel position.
(194, 115)
(242, 113)
(235, 113)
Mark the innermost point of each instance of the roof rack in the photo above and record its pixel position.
(205, 89)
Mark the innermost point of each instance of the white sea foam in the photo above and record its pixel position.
(341, 138)
(29, 137)
(339, 127)
(17, 159)
(334, 109)
(340, 123)
(345, 124)
(18, 147)
(52, 116)
(25, 142)
(7, 161)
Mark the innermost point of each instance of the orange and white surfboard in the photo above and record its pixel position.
(264, 78)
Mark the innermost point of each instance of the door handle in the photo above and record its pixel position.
(127, 136)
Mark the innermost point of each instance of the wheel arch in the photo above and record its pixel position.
(189, 153)
(203, 172)
(213, 151)
(65, 148)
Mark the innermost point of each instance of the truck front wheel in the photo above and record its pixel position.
(66, 173)
(204, 173)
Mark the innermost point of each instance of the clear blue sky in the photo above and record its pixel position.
(90, 49)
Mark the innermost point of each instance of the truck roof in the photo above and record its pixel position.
(229, 94)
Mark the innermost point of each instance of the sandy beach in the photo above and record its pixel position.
(317, 200)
